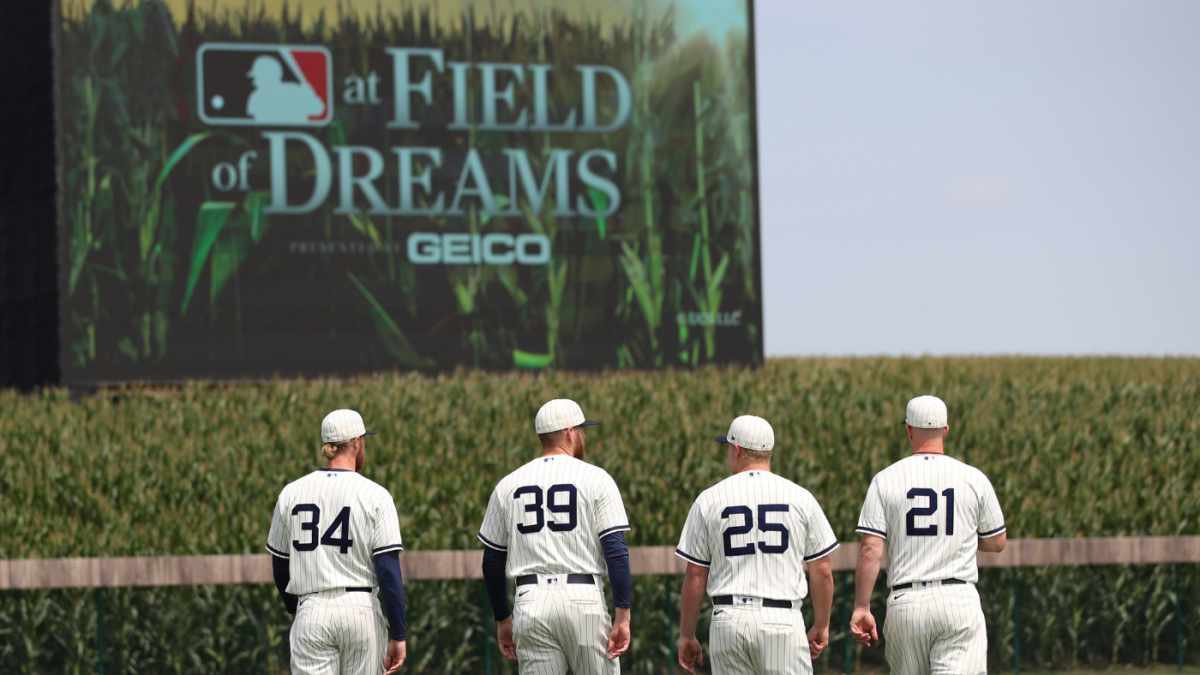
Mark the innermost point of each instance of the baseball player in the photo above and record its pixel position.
(335, 542)
(932, 512)
(556, 523)
(746, 541)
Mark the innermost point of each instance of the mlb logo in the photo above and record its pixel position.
(264, 85)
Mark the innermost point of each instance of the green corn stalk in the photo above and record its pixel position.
(1106, 447)
(709, 300)
(393, 338)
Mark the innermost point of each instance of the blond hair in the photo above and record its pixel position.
(331, 449)
(757, 457)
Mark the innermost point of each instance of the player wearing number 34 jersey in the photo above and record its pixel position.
(335, 544)
(932, 512)
(746, 541)
(556, 524)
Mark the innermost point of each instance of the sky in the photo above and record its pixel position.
(992, 177)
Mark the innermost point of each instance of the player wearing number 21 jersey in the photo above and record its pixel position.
(335, 544)
(746, 541)
(932, 512)
(556, 524)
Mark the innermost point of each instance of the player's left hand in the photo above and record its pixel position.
(505, 638)
(818, 640)
(618, 640)
(690, 654)
(397, 651)
(862, 627)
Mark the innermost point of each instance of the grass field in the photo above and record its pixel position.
(1075, 447)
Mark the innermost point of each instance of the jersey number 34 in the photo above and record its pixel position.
(340, 525)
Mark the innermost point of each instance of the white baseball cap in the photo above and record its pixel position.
(559, 414)
(750, 432)
(926, 412)
(343, 425)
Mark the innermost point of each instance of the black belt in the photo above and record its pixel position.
(360, 589)
(778, 604)
(945, 582)
(528, 579)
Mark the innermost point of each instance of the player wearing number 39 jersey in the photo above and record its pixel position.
(556, 524)
(746, 541)
(932, 512)
(335, 542)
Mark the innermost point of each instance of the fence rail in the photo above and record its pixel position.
(256, 569)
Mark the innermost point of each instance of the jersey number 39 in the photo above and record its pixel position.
(570, 509)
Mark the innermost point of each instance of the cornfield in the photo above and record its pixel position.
(1075, 448)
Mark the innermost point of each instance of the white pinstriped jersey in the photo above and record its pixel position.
(550, 515)
(754, 530)
(330, 525)
(931, 509)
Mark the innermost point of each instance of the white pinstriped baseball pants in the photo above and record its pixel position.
(339, 633)
(749, 639)
(936, 630)
(559, 627)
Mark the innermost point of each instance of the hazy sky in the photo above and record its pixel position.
(980, 178)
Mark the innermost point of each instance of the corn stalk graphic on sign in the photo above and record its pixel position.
(325, 190)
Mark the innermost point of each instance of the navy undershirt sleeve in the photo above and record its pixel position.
(493, 578)
(391, 592)
(616, 554)
(283, 574)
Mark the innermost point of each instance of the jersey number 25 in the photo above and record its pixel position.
(748, 524)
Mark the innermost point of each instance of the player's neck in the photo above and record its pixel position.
(546, 452)
(341, 462)
(756, 466)
(931, 448)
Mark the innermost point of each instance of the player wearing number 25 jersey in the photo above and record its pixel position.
(556, 524)
(746, 541)
(933, 512)
(335, 542)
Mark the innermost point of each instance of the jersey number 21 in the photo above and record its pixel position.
(931, 507)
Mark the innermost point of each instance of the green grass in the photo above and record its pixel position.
(1075, 447)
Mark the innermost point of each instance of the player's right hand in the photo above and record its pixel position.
(397, 651)
(618, 640)
(862, 627)
(818, 639)
(689, 652)
(505, 638)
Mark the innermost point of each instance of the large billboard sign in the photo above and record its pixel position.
(316, 189)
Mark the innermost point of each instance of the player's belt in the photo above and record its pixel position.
(766, 602)
(530, 579)
(360, 589)
(943, 582)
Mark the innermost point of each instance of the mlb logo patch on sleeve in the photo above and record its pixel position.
(264, 85)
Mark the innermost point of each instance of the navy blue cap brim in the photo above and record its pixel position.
(722, 439)
(369, 433)
(589, 423)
